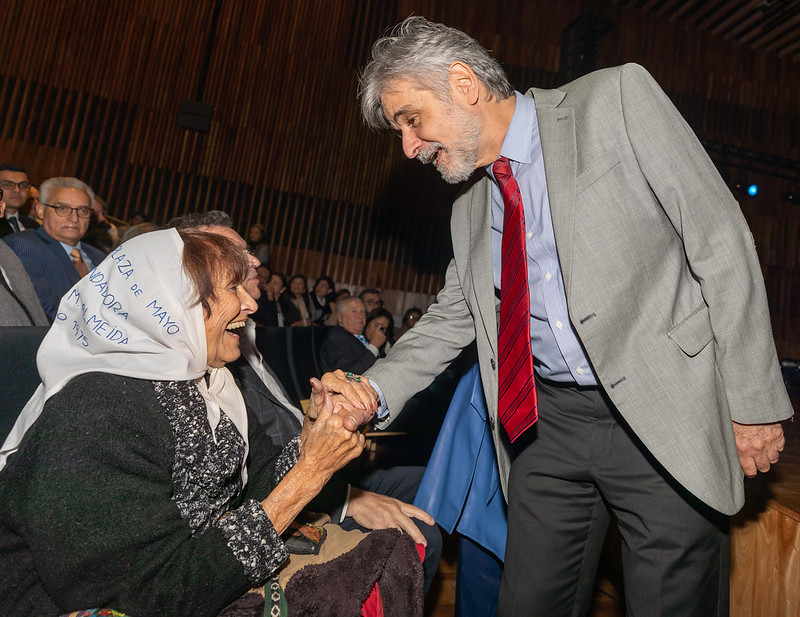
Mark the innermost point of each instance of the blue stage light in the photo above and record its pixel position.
(752, 190)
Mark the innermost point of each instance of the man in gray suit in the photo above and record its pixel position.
(656, 372)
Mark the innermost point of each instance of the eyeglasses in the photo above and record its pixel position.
(83, 212)
(1, 194)
(8, 185)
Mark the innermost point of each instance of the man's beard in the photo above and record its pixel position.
(462, 155)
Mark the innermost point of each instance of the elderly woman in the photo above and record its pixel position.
(133, 482)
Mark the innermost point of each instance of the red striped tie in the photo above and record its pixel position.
(517, 388)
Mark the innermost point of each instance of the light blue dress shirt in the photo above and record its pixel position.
(557, 352)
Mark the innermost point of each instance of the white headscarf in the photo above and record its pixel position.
(130, 316)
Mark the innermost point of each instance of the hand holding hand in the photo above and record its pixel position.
(759, 446)
(375, 511)
(362, 398)
(325, 443)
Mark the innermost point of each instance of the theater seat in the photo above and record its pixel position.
(18, 347)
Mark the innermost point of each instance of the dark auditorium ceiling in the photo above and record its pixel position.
(769, 26)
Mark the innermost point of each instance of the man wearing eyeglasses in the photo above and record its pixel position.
(53, 255)
(16, 188)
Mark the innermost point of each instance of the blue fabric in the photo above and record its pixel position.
(48, 266)
(478, 576)
(461, 486)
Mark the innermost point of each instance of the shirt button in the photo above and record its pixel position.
(492, 363)
(529, 234)
(579, 371)
(548, 276)
(559, 325)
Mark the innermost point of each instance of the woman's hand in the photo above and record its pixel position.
(326, 445)
(375, 333)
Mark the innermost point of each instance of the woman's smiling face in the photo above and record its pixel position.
(229, 311)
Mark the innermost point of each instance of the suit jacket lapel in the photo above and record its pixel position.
(480, 224)
(60, 256)
(557, 131)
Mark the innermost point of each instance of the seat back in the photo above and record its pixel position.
(18, 347)
(293, 354)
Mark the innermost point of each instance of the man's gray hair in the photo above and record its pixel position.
(422, 51)
(61, 182)
(341, 305)
(193, 220)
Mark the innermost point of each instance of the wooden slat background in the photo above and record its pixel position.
(92, 88)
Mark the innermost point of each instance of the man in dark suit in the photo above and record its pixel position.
(16, 186)
(53, 255)
(346, 347)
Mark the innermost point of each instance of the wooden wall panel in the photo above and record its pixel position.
(93, 89)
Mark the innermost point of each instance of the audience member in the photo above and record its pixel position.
(19, 305)
(299, 313)
(53, 255)
(267, 313)
(100, 222)
(32, 205)
(283, 304)
(257, 243)
(346, 347)
(371, 299)
(137, 218)
(16, 189)
(322, 299)
(380, 320)
(266, 399)
(410, 318)
(138, 230)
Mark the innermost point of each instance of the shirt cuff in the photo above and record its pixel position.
(373, 350)
(383, 408)
(346, 503)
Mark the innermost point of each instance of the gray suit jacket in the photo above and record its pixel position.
(12, 312)
(662, 280)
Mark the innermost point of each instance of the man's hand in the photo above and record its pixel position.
(759, 446)
(358, 391)
(375, 511)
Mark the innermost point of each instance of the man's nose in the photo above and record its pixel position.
(411, 144)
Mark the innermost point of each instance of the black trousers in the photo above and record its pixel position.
(580, 461)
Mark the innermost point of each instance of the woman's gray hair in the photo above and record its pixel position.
(61, 182)
(422, 51)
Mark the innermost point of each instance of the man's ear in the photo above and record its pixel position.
(463, 83)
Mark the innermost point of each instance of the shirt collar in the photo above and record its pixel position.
(522, 136)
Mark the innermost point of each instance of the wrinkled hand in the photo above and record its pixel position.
(326, 444)
(375, 511)
(759, 446)
(362, 398)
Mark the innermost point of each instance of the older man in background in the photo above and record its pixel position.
(346, 347)
(53, 255)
